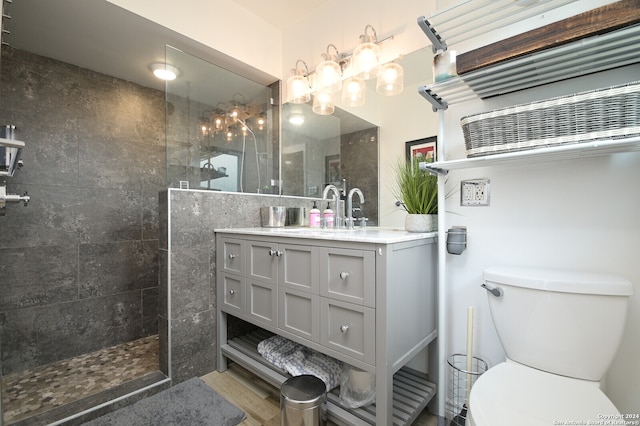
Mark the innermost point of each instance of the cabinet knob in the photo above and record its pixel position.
(232, 292)
(279, 253)
(344, 275)
(344, 328)
(272, 253)
(232, 256)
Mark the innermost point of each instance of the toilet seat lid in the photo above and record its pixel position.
(510, 394)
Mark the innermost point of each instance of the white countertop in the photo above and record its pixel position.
(369, 235)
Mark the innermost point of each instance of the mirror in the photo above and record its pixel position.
(339, 149)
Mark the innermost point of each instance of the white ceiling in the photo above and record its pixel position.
(281, 13)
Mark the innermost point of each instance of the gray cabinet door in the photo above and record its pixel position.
(262, 261)
(262, 302)
(298, 313)
(298, 267)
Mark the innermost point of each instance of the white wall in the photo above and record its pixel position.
(577, 214)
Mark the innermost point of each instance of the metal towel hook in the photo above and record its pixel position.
(497, 291)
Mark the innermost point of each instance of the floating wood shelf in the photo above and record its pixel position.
(585, 56)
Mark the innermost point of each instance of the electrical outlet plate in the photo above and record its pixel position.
(474, 192)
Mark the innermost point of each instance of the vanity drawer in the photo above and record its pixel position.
(232, 256)
(231, 294)
(348, 275)
(348, 328)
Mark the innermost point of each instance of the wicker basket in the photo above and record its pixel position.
(607, 113)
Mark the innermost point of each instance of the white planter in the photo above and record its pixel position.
(421, 222)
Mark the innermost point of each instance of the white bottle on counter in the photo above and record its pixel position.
(329, 217)
(314, 216)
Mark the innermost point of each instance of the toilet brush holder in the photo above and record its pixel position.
(459, 377)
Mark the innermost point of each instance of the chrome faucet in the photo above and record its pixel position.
(350, 219)
(336, 197)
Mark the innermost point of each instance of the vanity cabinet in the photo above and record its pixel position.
(364, 297)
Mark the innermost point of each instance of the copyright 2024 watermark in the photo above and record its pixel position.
(604, 420)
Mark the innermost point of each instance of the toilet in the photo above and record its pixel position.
(560, 331)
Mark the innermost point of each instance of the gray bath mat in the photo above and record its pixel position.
(189, 403)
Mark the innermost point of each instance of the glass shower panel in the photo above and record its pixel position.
(220, 129)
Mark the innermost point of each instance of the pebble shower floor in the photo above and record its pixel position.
(35, 391)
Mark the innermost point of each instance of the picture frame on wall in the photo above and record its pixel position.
(332, 169)
(424, 148)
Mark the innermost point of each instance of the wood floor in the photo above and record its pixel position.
(261, 401)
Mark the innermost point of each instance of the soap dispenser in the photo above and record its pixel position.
(314, 216)
(329, 216)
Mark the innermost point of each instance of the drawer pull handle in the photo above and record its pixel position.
(344, 275)
(232, 292)
(344, 328)
(232, 256)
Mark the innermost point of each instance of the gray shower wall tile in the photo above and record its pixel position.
(38, 336)
(51, 218)
(150, 311)
(190, 284)
(23, 284)
(193, 346)
(150, 215)
(163, 219)
(109, 215)
(117, 267)
(191, 222)
(50, 155)
(163, 283)
(109, 162)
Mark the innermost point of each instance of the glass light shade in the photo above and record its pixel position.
(298, 89)
(203, 129)
(366, 60)
(328, 77)
(353, 92)
(218, 122)
(390, 79)
(323, 103)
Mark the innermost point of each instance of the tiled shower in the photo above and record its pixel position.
(79, 265)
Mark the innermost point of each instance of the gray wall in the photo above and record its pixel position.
(359, 166)
(78, 266)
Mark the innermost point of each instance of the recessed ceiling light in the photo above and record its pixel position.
(165, 71)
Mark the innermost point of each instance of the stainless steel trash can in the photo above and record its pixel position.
(303, 401)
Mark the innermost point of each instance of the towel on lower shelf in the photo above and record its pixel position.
(297, 359)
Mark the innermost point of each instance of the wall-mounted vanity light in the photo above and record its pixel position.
(366, 56)
(298, 87)
(348, 72)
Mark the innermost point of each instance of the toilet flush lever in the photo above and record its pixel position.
(497, 291)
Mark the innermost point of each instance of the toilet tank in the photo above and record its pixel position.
(564, 322)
